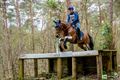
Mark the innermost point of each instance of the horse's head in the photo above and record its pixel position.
(58, 27)
(57, 24)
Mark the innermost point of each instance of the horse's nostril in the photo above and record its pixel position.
(57, 36)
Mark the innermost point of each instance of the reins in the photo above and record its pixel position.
(67, 27)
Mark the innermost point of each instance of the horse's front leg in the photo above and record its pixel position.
(65, 40)
(87, 46)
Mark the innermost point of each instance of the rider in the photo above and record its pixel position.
(73, 19)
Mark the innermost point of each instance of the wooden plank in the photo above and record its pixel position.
(74, 72)
(99, 66)
(21, 69)
(38, 56)
(61, 55)
(59, 69)
(85, 53)
(107, 50)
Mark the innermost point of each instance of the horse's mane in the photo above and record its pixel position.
(65, 24)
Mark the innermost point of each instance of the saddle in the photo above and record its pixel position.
(79, 33)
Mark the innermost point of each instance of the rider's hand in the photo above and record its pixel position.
(70, 24)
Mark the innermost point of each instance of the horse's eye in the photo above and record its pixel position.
(56, 26)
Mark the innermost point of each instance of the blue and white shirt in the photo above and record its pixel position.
(73, 18)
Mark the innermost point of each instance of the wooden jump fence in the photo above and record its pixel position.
(99, 54)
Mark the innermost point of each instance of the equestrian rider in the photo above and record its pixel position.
(73, 19)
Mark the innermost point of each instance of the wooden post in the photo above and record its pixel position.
(59, 68)
(69, 66)
(110, 63)
(115, 61)
(99, 66)
(73, 68)
(51, 65)
(71, 48)
(21, 69)
(49, 68)
(35, 68)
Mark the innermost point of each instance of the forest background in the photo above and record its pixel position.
(26, 26)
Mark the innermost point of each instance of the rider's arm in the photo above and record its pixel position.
(68, 18)
(76, 18)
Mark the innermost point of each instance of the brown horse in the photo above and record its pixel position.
(68, 34)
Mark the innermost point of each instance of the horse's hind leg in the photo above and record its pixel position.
(82, 47)
(91, 44)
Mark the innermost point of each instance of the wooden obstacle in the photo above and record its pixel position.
(101, 57)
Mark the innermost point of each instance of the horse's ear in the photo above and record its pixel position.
(54, 21)
(59, 21)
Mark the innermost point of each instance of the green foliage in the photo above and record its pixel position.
(52, 4)
(104, 38)
(117, 7)
(104, 77)
(107, 37)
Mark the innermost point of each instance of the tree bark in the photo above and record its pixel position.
(86, 16)
(111, 23)
(20, 40)
(32, 26)
(7, 45)
(68, 3)
(111, 12)
(100, 15)
(33, 43)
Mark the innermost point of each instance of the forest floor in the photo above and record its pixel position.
(79, 77)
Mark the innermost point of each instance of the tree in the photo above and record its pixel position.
(111, 22)
(33, 43)
(7, 45)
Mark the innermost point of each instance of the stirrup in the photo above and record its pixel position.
(80, 38)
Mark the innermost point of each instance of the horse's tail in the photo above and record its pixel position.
(91, 44)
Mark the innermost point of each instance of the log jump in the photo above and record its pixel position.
(101, 57)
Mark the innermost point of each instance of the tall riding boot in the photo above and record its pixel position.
(78, 32)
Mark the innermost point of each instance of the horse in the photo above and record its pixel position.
(67, 33)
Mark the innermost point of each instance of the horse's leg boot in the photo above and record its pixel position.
(65, 41)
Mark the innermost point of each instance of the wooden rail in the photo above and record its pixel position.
(73, 55)
(60, 55)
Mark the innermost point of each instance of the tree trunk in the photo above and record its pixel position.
(33, 43)
(100, 15)
(86, 16)
(32, 26)
(68, 3)
(111, 12)
(20, 40)
(7, 45)
(111, 23)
